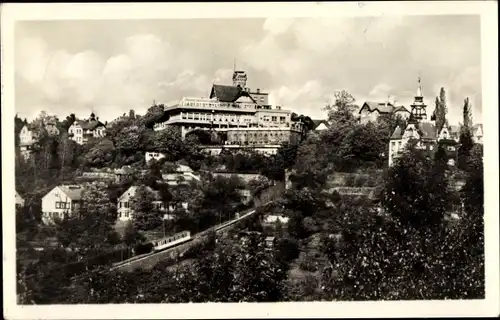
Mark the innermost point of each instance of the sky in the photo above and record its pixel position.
(111, 66)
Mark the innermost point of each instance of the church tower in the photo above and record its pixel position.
(418, 108)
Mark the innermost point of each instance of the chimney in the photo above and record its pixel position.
(278, 107)
(258, 90)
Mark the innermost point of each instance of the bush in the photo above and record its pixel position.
(287, 249)
(360, 180)
(307, 263)
(349, 180)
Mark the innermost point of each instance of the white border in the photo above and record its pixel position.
(489, 50)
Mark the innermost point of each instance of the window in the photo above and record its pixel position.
(61, 205)
(274, 118)
(126, 205)
(282, 119)
(261, 99)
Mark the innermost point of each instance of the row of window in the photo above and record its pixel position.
(258, 135)
(55, 214)
(63, 205)
(273, 118)
(215, 118)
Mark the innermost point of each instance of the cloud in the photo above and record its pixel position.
(300, 62)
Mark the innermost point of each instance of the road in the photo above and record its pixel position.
(150, 260)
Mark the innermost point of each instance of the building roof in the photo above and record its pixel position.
(382, 107)
(183, 168)
(74, 192)
(89, 124)
(401, 109)
(398, 133)
(133, 189)
(318, 122)
(476, 128)
(228, 93)
(427, 130)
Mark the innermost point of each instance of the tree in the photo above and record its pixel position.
(131, 235)
(342, 110)
(146, 215)
(92, 223)
(100, 155)
(466, 140)
(152, 115)
(440, 110)
(416, 191)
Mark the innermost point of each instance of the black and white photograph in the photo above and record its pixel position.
(265, 158)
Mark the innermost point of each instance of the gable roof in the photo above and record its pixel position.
(401, 109)
(72, 192)
(228, 93)
(476, 128)
(318, 122)
(382, 107)
(89, 125)
(398, 133)
(427, 130)
(133, 189)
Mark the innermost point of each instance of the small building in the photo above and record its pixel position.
(477, 133)
(371, 111)
(150, 155)
(19, 200)
(82, 130)
(60, 202)
(273, 218)
(270, 241)
(125, 204)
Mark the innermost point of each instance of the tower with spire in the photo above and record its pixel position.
(418, 108)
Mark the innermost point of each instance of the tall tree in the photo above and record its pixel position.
(343, 108)
(466, 138)
(441, 109)
(146, 215)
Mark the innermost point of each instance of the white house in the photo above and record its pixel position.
(477, 133)
(61, 201)
(150, 155)
(125, 204)
(81, 130)
(273, 218)
(19, 200)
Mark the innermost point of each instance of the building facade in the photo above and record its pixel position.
(236, 110)
(82, 130)
(371, 111)
(125, 206)
(19, 200)
(423, 134)
(60, 202)
(30, 134)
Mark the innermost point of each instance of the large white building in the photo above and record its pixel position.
(60, 202)
(244, 116)
(81, 130)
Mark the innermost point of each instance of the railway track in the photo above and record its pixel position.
(132, 262)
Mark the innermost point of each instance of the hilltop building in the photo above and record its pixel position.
(423, 133)
(30, 133)
(81, 130)
(371, 111)
(243, 115)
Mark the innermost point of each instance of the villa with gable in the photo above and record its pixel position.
(424, 133)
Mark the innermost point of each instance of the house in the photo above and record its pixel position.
(60, 202)
(19, 200)
(273, 218)
(270, 241)
(477, 133)
(183, 174)
(125, 204)
(81, 130)
(371, 111)
(321, 125)
(150, 155)
(423, 134)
